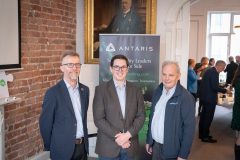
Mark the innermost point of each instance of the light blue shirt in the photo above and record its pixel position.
(121, 92)
(75, 98)
(157, 126)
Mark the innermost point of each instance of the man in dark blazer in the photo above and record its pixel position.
(230, 69)
(63, 121)
(118, 110)
(209, 89)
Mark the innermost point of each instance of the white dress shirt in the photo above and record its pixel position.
(121, 92)
(75, 98)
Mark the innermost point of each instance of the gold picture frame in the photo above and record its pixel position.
(147, 9)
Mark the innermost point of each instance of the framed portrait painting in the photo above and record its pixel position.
(116, 17)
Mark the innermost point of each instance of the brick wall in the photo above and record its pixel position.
(48, 27)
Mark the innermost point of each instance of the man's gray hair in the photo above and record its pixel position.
(166, 63)
(220, 62)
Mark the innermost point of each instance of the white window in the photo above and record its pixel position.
(223, 39)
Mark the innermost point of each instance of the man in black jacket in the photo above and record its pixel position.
(230, 69)
(209, 89)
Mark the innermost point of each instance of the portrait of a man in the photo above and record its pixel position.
(126, 21)
(118, 17)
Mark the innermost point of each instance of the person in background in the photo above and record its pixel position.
(200, 69)
(235, 124)
(118, 111)
(172, 118)
(230, 70)
(237, 59)
(208, 95)
(63, 121)
(211, 62)
(126, 21)
(192, 78)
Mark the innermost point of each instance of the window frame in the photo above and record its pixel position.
(229, 34)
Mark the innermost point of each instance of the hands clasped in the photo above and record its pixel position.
(123, 139)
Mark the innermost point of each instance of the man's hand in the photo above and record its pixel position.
(148, 149)
(228, 91)
(126, 145)
(122, 138)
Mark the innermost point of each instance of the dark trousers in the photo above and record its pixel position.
(206, 118)
(194, 95)
(237, 152)
(123, 155)
(200, 106)
(157, 153)
(79, 152)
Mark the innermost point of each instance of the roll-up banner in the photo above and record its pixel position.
(142, 51)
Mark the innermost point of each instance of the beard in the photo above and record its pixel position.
(74, 75)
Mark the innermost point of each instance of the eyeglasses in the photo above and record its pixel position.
(71, 65)
(118, 68)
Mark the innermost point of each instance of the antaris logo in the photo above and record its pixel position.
(111, 48)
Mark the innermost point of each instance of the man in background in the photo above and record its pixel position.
(230, 69)
(237, 59)
(209, 89)
(172, 118)
(200, 69)
(63, 121)
(118, 111)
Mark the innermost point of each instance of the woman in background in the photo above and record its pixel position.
(235, 125)
(192, 78)
(211, 62)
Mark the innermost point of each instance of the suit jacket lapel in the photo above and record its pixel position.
(82, 100)
(66, 96)
(112, 91)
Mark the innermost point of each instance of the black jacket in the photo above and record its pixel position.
(230, 69)
(209, 86)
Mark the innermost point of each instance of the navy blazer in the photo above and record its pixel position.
(209, 86)
(58, 123)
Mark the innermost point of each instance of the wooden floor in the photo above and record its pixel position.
(220, 130)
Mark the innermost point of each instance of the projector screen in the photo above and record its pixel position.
(10, 52)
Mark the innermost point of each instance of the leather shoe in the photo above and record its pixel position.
(210, 137)
(209, 140)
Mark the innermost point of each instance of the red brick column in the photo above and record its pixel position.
(48, 27)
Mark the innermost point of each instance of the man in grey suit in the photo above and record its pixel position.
(63, 121)
(118, 110)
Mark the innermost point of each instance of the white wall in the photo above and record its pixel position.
(173, 26)
(199, 11)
